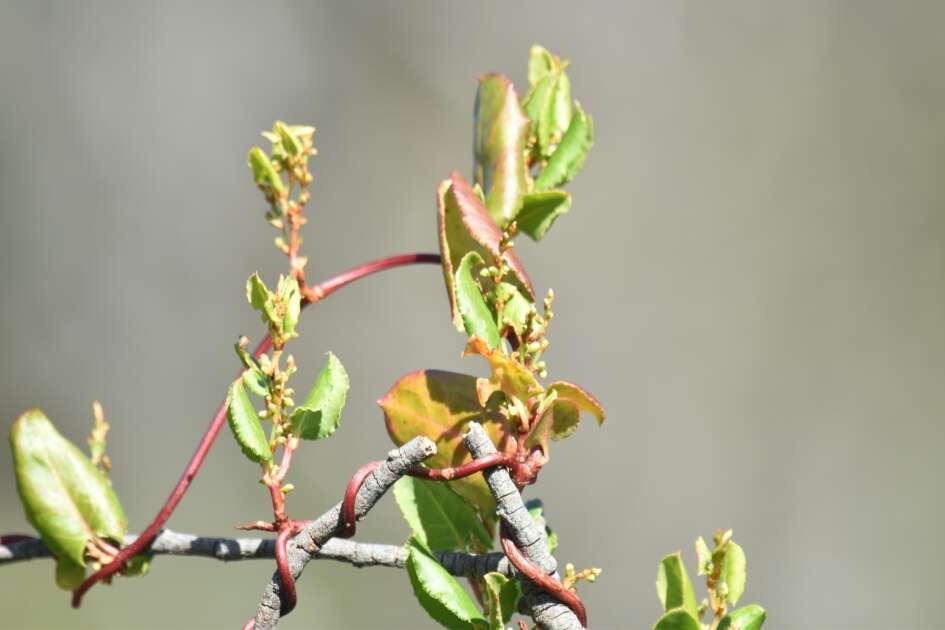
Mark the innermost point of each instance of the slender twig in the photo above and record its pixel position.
(525, 534)
(323, 290)
(358, 554)
(314, 294)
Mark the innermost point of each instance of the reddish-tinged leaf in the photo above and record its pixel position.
(580, 397)
(558, 422)
(465, 226)
(499, 147)
(439, 405)
(563, 415)
(508, 375)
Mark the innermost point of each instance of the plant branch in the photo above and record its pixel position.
(314, 294)
(358, 554)
(305, 545)
(547, 611)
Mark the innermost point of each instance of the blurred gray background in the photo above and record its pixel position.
(752, 280)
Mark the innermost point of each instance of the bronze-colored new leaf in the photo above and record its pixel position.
(508, 375)
(439, 405)
(563, 415)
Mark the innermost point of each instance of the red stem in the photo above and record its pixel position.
(541, 579)
(288, 595)
(313, 295)
(348, 516)
(326, 288)
(470, 468)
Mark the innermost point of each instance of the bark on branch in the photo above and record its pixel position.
(358, 554)
(306, 543)
(547, 612)
(317, 539)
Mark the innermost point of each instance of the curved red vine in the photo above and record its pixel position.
(465, 470)
(348, 516)
(289, 596)
(542, 580)
(312, 294)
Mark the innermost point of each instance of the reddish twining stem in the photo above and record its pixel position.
(348, 516)
(470, 468)
(434, 474)
(526, 567)
(289, 597)
(183, 484)
(545, 582)
(323, 290)
(312, 295)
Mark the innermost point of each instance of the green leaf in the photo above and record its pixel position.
(437, 516)
(579, 397)
(261, 299)
(256, 382)
(750, 617)
(264, 172)
(539, 211)
(253, 376)
(69, 575)
(516, 307)
(562, 416)
(569, 157)
(439, 405)
(438, 592)
(559, 420)
(477, 318)
(540, 63)
(289, 142)
(291, 300)
(280, 310)
(499, 147)
(537, 511)
(734, 572)
(703, 556)
(138, 566)
(66, 499)
(320, 415)
(503, 595)
(244, 422)
(677, 619)
(673, 586)
(98, 437)
(548, 103)
(465, 226)
(508, 375)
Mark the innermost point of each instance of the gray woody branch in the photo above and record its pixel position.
(305, 544)
(547, 612)
(229, 549)
(317, 539)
